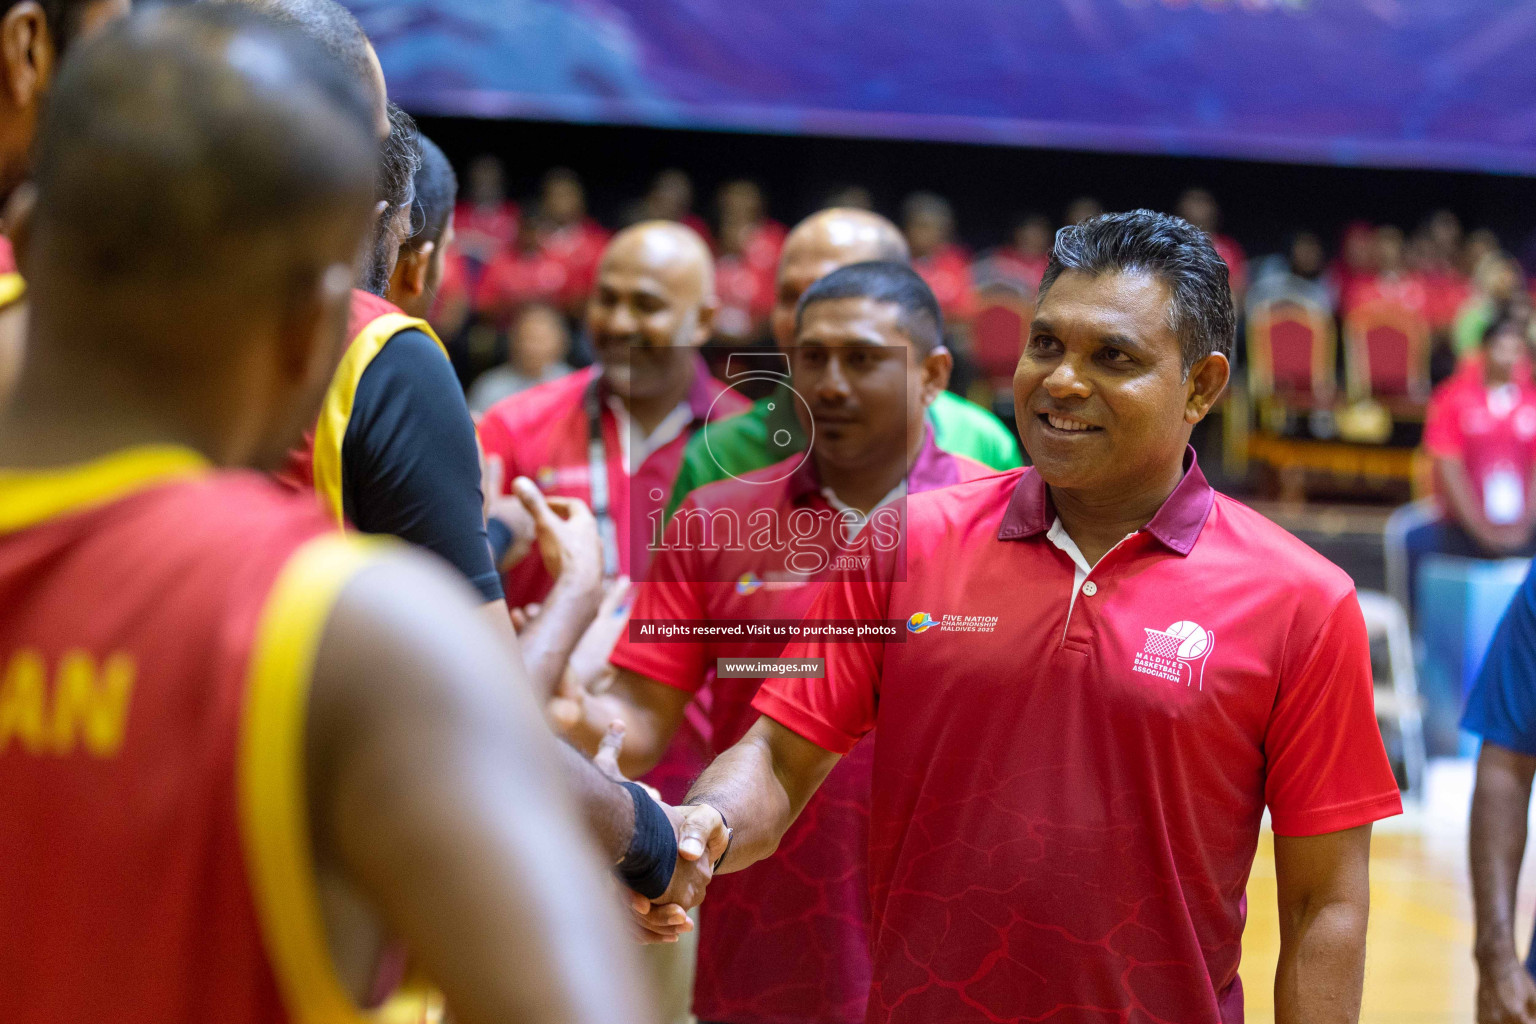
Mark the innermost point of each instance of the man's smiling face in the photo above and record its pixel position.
(1100, 390)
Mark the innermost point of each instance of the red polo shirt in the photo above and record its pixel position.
(544, 434)
(1068, 788)
(1492, 433)
(788, 941)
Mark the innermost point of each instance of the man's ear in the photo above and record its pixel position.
(27, 50)
(1207, 379)
(933, 371)
(409, 279)
(418, 267)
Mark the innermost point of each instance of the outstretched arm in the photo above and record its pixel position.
(1325, 897)
(759, 787)
(436, 790)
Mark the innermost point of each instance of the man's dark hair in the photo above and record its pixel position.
(437, 188)
(884, 281)
(327, 23)
(397, 189)
(1167, 247)
(229, 144)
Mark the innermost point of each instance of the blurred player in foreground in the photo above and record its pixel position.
(237, 749)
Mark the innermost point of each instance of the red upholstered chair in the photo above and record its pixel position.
(998, 332)
(1292, 348)
(1386, 349)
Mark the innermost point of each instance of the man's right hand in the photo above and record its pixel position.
(567, 536)
(583, 718)
(666, 918)
(702, 839)
(1506, 994)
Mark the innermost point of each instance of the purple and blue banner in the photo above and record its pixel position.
(1425, 83)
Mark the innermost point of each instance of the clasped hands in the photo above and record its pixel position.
(702, 839)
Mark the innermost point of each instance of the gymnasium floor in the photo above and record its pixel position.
(1419, 966)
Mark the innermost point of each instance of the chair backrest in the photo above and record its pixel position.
(999, 330)
(1292, 349)
(1387, 352)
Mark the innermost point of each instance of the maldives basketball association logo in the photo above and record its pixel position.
(1177, 654)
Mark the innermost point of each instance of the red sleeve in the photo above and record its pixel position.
(671, 593)
(1442, 425)
(1328, 770)
(496, 439)
(837, 711)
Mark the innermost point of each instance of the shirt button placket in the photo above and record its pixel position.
(1090, 588)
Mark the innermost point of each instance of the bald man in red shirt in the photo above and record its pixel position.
(612, 435)
(1109, 672)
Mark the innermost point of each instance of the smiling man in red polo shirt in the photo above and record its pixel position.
(649, 391)
(788, 943)
(1111, 671)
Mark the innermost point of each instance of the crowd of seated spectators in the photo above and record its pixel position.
(517, 269)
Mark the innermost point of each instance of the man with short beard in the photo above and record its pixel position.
(393, 448)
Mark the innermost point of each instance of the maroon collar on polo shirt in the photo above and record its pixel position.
(1177, 524)
(933, 468)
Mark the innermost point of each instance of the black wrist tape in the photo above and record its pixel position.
(647, 865)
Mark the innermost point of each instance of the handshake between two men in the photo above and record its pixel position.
(565, 640)
(673, 856)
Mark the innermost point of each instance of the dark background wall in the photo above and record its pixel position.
(990, 186)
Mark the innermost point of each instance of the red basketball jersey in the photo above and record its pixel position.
(157, 628)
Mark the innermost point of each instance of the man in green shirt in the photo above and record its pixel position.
(818, 245)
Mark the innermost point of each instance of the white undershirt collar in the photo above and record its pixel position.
(856, 525)
(672, 425)
(1058, 536)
